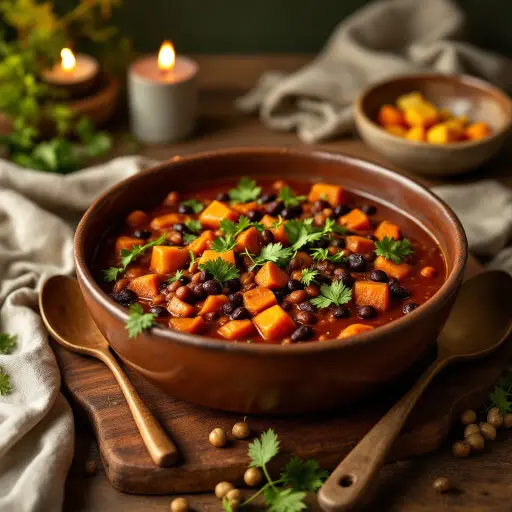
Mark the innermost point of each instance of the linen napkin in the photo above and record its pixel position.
(386, 38)
(38, 213)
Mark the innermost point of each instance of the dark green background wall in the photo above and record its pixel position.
(252, 26)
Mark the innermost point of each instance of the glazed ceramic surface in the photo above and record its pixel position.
(271, 378)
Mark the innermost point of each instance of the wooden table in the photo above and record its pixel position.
(484, 481)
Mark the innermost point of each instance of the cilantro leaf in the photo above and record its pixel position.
(336, 293)
(395, 250)
(304, 475)
(223, 243)
(7, 343)
(245, 192)
(277, 222)
(323, 254)
(289, 198)
(221, 270)
(189, 237)
(5, 383)
(194, 225)
(499, 398)
(228, 226)
(175, 277)
(197, 206)
(232, 230)
(331, 226)
(308, 276)
(262, 450)
(301, 233)
(275, 253)
(112, 273)
(284, 500)
(138, 321)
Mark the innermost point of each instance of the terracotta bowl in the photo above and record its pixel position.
(461, 94)
(259, 378)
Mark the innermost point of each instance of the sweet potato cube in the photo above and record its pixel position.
(126, 243)
(137, 219)
(478, 131)
(213, 303)
(146, 287)
(389, 115)
(271, 276)
(245, 208)
(259, 299)
(249, 239)
(359, 244)
(356, 220)
(410, 100)
(330, 193)
(386, 228)
(179, 308)
(216, 211)
(428, 272)
(354, 329)
(394, 129)
(168, 220)
(396, 270)
(236, 329)
(201, 243)
(368, 293)
(416, 133)
(441, 134)
(190, 325)
(166, 259)
(208, 255)
(279, 232)
(424, 114)
(274, 324)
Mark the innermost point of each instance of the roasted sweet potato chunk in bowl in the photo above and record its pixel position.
(244, 354)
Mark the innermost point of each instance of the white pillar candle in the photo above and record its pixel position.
(162, 93)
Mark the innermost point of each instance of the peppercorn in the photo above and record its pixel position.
(494, 417)
(217, 437)
(253, 477)
(488, 431)
(241, 430)
(442, 484)
(222, 488)
(468, 417)
(461, 449)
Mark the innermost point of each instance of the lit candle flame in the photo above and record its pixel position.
(166, 56)
(68, 59)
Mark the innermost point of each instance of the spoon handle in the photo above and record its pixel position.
(160, 447)
(349, 482)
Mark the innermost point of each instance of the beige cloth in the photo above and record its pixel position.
(386, 38)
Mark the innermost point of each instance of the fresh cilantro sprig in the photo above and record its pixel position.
(308, 276)
(287, 494)
(221, 270)
(301, 233)
(331, 226)
(8, 343)
(289, 198)
(232, 230)
(501, 395)
(323, 254)
(176, 277)
(138, 321)
(394, 250)
(127, 256)
(335, 294)
(274, 252)
(195, 227)
(245, 192)
(5, 383)
(197, 206)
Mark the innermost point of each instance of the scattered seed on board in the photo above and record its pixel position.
(461, 449)
(222, 488)
(476, 441)
(494, 417)
(442, 484)
(471, 429)
(253, 477)
(241, 430)
(217, 437)
(488, 431)
(468, 417)
(507, 421)
(179, 505)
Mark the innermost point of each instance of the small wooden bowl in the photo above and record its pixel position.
(463, 95)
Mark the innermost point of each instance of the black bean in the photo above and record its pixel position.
(185, 209)
(212, 287)
(356, 262)
(163, 287)
(254, 215)
(266, 198)
(323, 243)
(379, 276)
(126, 297)
(267, 236)
(398, 291)
(369, 209)
(304, 332)
(409, 306)
(286, 305)
(366, 312)
(338, 242)
(181, 228)
(305, 317)
(233, 285)
(370, 257)
(184, 279)
(240, 314)
(159, 311)
(236, 298)
(371, 237)
(307, 306)
(280, 294)
(205, 276)
(291, 212)
(228, 308)
(344, 276)
(274, 207)
(199, 291)
(341, 209)
(142, 234)
(340, 312)
(222, 196)
(319, 205)
(293, 285)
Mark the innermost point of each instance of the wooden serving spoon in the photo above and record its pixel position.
(480, 321)
(66, 316)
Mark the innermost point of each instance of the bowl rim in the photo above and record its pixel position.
(470, 81)
(262, 349)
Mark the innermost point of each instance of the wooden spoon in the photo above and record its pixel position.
(66, 316)
(480, 321)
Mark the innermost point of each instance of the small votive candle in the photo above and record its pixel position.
(162, 93)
